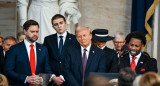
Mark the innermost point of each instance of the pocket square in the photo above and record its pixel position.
(143, 69)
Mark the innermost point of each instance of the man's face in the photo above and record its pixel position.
(135, 46)
(59, 25)
(32, 33)
(118, 43)
(1, 42)
(8, 43)
(21, 38)
(84, 37)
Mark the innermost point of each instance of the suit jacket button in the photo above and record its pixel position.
(59, 62)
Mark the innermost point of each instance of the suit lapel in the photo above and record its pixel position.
(140, 62)
(25, 55)
(90, 57)
(38, 51)
(54, 41)
(66, 43)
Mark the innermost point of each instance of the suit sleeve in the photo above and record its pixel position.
(47, 66)
(70, 80)
(153, 65)
(10, 67)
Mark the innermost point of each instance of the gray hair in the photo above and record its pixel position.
(119, 35)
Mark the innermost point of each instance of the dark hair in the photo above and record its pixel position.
(20, 34)
(28, 23)
(137, 35)
(9, 37)
(56, 17)
(126, 77)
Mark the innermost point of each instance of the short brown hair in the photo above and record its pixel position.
(56, 17)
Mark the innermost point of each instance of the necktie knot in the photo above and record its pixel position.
(84, 49)
(60, 37)
(31, 45)
(133, 58)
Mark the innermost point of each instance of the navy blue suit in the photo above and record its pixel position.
(17, 66)
(73, 64)
(56, 61)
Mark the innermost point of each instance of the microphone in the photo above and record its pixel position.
(124, 50)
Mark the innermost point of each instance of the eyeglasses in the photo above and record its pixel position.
(118, 42)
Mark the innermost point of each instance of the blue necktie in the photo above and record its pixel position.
(60, 45)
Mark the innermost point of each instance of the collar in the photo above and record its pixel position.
(64, 35)
(138, 56)
(28, 43)
(88, 48)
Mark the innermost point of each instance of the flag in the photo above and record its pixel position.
(142, 16)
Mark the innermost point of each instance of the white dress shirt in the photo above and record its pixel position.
(87, 52)
(27, 44)
(136, 60)
(64, 37)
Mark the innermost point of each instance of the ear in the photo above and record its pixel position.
(142, 47)
(24, 31)
(91, 36)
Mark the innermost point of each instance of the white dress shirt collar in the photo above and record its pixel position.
(88, 50)
(137, 58)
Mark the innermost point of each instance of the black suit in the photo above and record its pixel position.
(1, 59)
(145, 64)
(56, 61)
(110, 55)
(73, 64)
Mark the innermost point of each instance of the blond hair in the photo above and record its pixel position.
(149, 79)
(3, 80)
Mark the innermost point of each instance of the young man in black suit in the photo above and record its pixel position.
(57, 45)
(136, 59)
(101, 37)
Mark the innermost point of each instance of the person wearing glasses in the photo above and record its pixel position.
(119, 41)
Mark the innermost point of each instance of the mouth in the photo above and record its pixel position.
(133, 52)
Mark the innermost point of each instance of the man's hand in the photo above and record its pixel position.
(58, 80)
(34, 79)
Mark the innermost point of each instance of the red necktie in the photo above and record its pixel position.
(32, 59)
(133, 64)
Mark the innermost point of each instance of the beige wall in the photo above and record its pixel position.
(8, 19)
(114, 15)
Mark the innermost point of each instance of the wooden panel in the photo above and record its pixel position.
(8, 19)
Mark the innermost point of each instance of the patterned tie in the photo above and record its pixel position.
(32, 59)
(60, 45)
(133, 64)
(84, 62)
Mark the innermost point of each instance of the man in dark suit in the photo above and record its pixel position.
(27, 59)
(57, 52)
(136, 59)
(101, 37)
(82, 59)
(7, 43)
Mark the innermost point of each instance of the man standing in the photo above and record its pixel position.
(82, 59)
(58, 43)
(27, 59)
(101, 37)
(7, 43)
(135, 58)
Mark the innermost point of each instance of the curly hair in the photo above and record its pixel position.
(137, 35)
